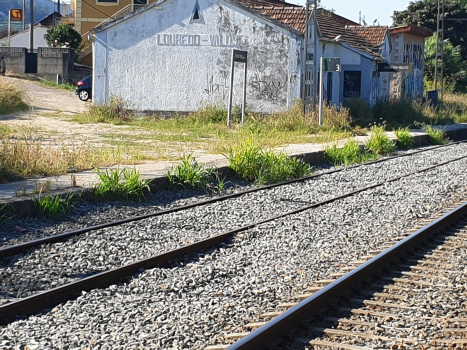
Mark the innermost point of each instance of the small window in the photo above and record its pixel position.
(197, 16)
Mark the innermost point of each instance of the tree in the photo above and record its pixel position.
(423, 13)
(63, 35)
(454, 71)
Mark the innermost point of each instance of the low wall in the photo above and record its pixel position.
(52, 61)
(15, 59)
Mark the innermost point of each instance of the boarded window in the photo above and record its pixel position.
(352, 83)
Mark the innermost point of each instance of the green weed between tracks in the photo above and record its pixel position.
(119, 183)
(54, 207)
(190, 174)
(252, 163)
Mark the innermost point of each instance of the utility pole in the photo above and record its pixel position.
(309, 86)
(24, 14)
(439, 52)
(31, 26)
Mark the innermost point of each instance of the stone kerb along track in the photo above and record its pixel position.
(17, 195)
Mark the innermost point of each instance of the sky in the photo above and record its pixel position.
(371, 9)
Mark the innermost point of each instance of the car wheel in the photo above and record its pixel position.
(83, 95)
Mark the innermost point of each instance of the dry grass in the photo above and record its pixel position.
(11, 98)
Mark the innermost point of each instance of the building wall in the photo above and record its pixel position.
(160, 61)
(408, 49)
(22, 39)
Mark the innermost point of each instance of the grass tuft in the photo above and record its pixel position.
(252, 163)
(119, 183)
(350, 153)
(190, 174)
(53, 206)
(436, 136)
(379, 142)
(117, 111)
(404, 139)
(11, 98)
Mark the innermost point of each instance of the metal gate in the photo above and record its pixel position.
(31, 62)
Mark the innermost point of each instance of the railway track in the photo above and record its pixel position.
(35, 303)
(410, 296)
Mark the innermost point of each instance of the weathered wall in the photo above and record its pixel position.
(160, 61)
(408, 49)
(52, 61)
(15, 59)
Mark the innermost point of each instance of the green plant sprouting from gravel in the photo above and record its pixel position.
(121, 184)
(4, 218)
(351, 153)
(54, 206)
(436, 136)
(190, 174)
(379, 142)
(252, 163)
(404, 139)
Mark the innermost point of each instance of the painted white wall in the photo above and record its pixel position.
(22, 39)
(160, 61)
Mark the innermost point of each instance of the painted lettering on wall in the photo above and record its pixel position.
(200, 40)
(266, 89)
(214, 88)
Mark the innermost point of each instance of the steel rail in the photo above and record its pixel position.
(271, 333)
(18, 248)
(52, 297)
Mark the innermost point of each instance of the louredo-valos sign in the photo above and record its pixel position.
(395, 67)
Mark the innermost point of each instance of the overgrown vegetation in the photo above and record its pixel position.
(54, 207)
(11, 98)
(404, 139)
(119, 183)
(31, 154)
(190, 174)
(117, 111)
(252, 163)
(437, 136)
(379, 142)
(350, 153)
(63, 86)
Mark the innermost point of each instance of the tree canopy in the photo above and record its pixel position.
(423, 13)
(63, 35)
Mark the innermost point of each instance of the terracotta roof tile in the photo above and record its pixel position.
(374, 35)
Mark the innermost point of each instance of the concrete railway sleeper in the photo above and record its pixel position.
(194, 254)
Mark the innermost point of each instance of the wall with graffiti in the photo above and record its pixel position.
(165, 59)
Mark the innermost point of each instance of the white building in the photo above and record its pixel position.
(175, 55)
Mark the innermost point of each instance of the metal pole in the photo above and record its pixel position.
(315, 52)
(24, 14)
(437, 44)
(442, 51)
(231, 88)
(244, 96)
(9, 27)
(320, 91)
(31, 26)
(303, 85)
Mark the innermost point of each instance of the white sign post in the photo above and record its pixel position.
(237, 56)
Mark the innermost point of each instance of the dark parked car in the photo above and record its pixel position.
(84, 88)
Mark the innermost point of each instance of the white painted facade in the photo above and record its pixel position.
(21, 39)
(164, 59)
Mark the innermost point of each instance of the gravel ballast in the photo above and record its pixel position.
(196, 300)
(100, 250)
